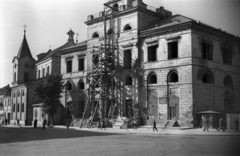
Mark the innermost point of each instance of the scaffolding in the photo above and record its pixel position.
(101, 92)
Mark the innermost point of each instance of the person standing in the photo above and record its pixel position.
(236, 123)
(35, 123)
(206, 124)
(44, 123)
(18, 122)
(221, 125)
(154, 126)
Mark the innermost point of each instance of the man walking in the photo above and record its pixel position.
(154, 126)
(35, 123)
(206, 124)
(44, 123)
(221, 125)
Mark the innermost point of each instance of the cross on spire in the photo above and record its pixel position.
(25, 27)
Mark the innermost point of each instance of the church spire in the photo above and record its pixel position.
(24, 48)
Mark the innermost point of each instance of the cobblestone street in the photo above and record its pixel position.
(60, 141)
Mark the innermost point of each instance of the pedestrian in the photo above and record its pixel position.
(5, 121)
(236, 123)
(206, 124)
(68, 123)
(25, 122)
(154, 126)
(35, 123)
(221, 125)
(44, 123)
(18, 122)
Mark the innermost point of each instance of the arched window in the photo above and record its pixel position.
(152, 79)
(69, 86)
(110, 31)
(128, 81)
(15, 77)
(173, 77)
(81, 84)
(207, 78)
(115, 7)
(18, 107)
(127, 27)
(95, 35)
(228, 81)
(22, 107)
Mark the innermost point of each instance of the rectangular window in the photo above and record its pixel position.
(127, 59)
(207, 51)
(152, 53)
(227, 56)
(69, 66)
(39, 74)
(172, 50)
(81, 64)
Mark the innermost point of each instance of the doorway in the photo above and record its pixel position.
(129, 108)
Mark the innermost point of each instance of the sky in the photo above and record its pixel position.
(48, 21)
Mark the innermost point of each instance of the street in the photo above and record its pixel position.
(60, 141)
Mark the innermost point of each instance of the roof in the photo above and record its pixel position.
(55, 52)
(5, 90)
(170, 21)
(24, 50)
(80, 45)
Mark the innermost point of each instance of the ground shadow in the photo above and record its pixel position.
(12, 135)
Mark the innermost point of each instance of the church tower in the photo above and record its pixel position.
(23, 64)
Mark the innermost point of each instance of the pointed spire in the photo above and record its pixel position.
(24, 48)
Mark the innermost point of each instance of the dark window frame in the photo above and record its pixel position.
(152, 53)
(81, 66)
(207, 50)
(173, 50)
(69, 66)
(127, 59)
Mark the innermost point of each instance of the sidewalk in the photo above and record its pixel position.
(148, 131)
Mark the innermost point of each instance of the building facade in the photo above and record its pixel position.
(171, 67)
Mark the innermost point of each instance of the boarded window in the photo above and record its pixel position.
(127, 59)
(152, 53)
(172, 50)
(227, 56)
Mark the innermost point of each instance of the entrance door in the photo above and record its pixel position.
(129, 108)
(173, 113)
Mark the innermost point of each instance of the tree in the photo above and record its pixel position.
(49, 93)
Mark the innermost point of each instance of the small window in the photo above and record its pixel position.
(127, 59)
(227, 56)
(15, 77)
(152, 79)
(36, 114)
(81, 85)
(173, 77)
(152, 53)
(115, 7)
(48, 70)
(18, 107)
(22, 107)
(207, 79)
(128, 81)
(110, 31)
(127, 27)
(172, 50)
(69, 66)
(95, 35)
(207, 51)
(14, 108)
(81, 64)
(69, 86)
(228, 81)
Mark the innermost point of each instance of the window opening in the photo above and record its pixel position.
(207, 79)
(207, 50)
(81, 85)
(95, 35)
(152, 53)
(227, 56)
(127, 27)
(115, 7)
(81, 64)
(69, 86)
(173, 77)
(172, 50)
(127, 59)
(128, 81)
(152, 79)
(69, 66)
(43, 72)
(22, 107)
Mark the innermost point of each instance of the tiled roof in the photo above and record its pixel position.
(55, 52)
(5, 90)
